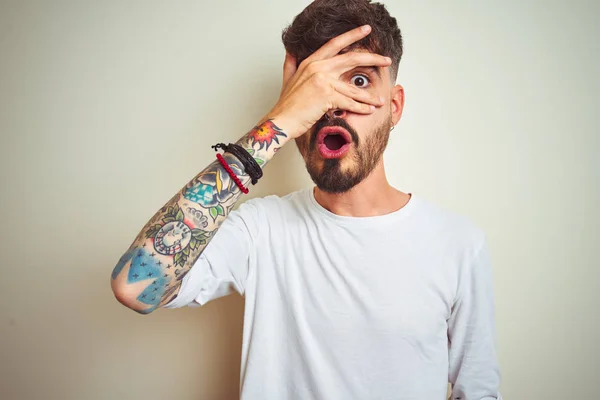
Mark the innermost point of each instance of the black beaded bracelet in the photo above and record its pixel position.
(250, 165)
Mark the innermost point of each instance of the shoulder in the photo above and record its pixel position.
(274, 209)
(273, 204)
(449, 227)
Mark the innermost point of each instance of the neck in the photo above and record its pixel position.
(372, 197)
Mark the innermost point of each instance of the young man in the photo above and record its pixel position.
(353, 289)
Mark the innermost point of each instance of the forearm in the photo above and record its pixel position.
(149, 274)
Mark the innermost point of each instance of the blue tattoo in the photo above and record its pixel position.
(144, 266)
(201, 194)
(215, 186)
(124, 260)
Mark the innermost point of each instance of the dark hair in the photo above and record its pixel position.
(323, 20)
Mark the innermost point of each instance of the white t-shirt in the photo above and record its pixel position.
(386, 307)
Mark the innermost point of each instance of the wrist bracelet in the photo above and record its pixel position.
(232, 174)
(251, 167)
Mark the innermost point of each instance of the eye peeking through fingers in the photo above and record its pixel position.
(360, 80)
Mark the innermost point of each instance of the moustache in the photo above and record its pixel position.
(326, 122)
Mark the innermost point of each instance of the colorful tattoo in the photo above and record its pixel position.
(259, 161)
(144, 266)
(174, 237)
(199, 219)
(214, 188)
(265, 135)
(171, 242)
(122, 262)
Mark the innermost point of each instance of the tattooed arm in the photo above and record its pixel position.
(149, 274)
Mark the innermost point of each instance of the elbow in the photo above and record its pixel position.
(124, 295)
(121, 293)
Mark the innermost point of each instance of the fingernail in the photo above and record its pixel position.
(365, 28)
(372, 108)
(381, 99)
(388, 59)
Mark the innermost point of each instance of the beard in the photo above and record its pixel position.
(363, 157)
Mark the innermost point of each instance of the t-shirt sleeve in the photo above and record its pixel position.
(473, 365)
(224, 265)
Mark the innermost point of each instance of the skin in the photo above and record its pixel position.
(374, 195)
(149, 274)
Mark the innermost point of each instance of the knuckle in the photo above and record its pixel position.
(336, 41)
(359, 93)
(349, 57)
(319, 79)
(358, 55)
(361, 107)
(311, 68)
(354, 93)
(330, 102)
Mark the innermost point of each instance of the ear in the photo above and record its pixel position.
(397, 103)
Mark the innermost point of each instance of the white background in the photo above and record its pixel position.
(108, 108)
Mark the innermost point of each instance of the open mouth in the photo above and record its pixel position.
(333, 142)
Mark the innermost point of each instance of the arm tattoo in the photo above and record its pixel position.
(173, 239)
(265, 135)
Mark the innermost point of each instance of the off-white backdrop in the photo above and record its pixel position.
(107, 108)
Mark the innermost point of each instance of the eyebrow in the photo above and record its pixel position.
(375, 70)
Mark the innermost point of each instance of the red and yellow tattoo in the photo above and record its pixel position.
(265, 135)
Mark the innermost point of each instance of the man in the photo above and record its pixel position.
(353, 289)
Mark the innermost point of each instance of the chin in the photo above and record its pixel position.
(329, 177)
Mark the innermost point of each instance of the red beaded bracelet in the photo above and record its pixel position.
(232, 174)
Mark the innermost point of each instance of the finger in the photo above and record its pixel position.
(357, 94)
(289, 68)
(353, 59)
(346, 103)
(338, 43)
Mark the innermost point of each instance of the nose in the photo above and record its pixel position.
(337, 113)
